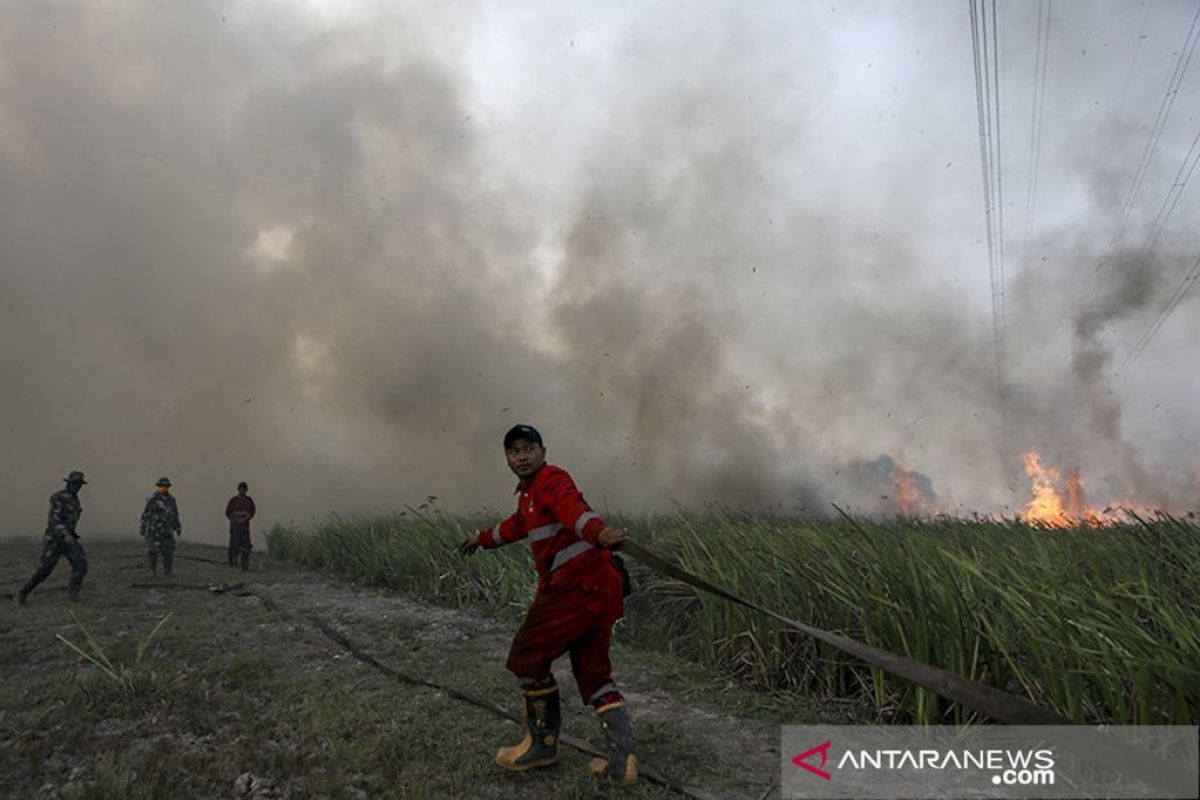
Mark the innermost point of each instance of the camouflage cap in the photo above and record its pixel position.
(163, 481)
(75, 477)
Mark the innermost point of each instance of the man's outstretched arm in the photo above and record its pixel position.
(504, 532)
(574, 513)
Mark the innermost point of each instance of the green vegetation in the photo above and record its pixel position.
(1098, 624)
(189, 693)
(124, 676)
(168, 690)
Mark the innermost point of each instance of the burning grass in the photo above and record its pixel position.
(1100, 624)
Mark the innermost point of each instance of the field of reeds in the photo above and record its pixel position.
(1101, 625)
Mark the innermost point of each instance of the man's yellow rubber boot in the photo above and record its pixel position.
(543, 720)
(621, 764)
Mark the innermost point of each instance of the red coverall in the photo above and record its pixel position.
(579, 593)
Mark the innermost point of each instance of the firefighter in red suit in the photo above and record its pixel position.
(579, 597)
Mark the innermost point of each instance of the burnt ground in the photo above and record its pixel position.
(231, 698)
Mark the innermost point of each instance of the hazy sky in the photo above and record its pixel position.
(716, 252)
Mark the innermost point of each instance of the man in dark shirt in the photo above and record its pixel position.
(239, 511)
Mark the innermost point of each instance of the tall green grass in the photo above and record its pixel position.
(1102, 625)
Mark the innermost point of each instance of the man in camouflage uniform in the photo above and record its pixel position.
(160, 526)
(61, 539)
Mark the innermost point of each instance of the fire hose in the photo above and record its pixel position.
(241, 590)
(995, 703)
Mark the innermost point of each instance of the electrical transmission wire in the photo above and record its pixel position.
(985, 55)
(1160, 122)
(1182, 175)
(1178, 184)
(999, 172)
(1167, 309)
(1137, 51)
(1045, 8)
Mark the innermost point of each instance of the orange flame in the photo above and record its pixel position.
(1058, 501)
(1075, 507)
(1049, 509)
(1046, 507)
(907, 496)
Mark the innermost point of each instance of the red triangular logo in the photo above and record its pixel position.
(823, 749)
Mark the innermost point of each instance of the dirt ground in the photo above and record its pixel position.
(230, 698)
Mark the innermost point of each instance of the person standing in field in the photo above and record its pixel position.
(160, 526)
(579, 597)
(61, 540)
(239, 511)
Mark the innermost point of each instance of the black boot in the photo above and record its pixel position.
(543, 720)
(79, 569)
(152, 557)
(20, 597)
(232, 557)
(621, 764)
(168, 562)
(40, 574)
(245, 561)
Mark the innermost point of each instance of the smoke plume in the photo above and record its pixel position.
(731, 258)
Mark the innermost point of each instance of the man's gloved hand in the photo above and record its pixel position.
(469, 546)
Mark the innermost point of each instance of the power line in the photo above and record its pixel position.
(999, 175)
(985, 164)
(1045, 8)
(1160, 121)
(1167, 309)
(1178, 184)
(1182, 176)
(1137, 51)
(987, 102)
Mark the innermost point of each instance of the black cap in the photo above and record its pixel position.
(242, 485)
(522, 432)
(75, 477)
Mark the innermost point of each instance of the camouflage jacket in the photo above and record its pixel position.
(160, 518)
(65, 512)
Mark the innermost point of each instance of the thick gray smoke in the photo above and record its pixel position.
(715, 258)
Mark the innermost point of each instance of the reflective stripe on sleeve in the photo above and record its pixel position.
(544, 532)
(584, 519)
(567, 553)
